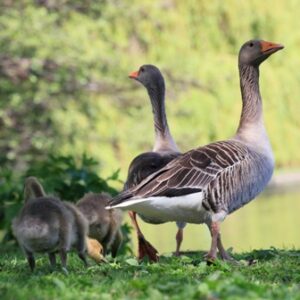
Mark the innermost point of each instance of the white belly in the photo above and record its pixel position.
(186, 208)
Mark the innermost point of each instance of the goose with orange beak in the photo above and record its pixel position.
(208, 183)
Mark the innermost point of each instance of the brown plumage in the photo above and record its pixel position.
(104, 225)
(45, 224)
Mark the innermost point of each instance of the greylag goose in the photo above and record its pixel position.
(206, 184)
(164, 150)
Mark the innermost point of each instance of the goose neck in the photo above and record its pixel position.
(163, 138)
(251, 121)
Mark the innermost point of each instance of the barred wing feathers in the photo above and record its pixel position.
(191, 172)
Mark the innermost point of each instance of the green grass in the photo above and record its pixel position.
(274, 275)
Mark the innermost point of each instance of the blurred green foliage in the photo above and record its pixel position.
(11, 196)
(70, 179)
(64, 87)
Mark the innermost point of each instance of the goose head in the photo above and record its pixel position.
(254, 52)
(149, 76)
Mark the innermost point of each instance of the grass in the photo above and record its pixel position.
(274, 275)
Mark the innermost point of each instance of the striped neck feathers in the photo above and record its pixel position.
(164, 141)
(251, 121)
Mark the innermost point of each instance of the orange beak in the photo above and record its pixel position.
(134, 74)
(269, 46)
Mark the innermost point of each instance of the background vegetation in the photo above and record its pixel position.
(64, 65)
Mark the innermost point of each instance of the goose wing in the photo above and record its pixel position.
(189, 173)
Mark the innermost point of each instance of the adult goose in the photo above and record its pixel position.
(206, 184)
(164, 150)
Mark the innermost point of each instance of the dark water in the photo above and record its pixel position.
(269, 220)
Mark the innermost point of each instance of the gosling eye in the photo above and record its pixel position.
(251, 44)
(142, 69)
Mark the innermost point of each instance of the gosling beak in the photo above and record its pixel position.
(103, 259)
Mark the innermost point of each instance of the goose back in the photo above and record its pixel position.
(38, 225)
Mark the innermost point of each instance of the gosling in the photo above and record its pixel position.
(45, 224)
(104, 225)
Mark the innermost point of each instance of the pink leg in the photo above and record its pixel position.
(144, 247)
(214, 229)
(179, 238)
(224, 255)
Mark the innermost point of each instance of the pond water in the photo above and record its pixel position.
(269, 220)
